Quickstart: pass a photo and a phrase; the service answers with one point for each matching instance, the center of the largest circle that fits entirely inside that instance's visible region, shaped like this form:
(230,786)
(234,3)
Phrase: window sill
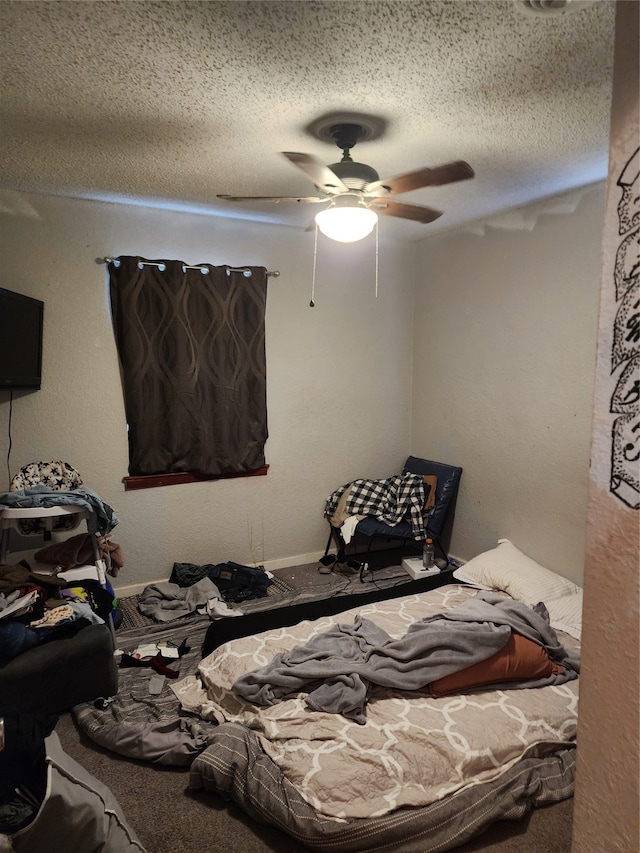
(153,481)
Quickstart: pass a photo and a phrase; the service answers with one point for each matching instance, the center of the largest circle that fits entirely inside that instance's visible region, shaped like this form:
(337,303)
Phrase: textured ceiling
(171,103)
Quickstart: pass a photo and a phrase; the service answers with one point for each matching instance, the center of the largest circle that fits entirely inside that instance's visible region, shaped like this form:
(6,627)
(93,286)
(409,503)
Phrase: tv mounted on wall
(20,340)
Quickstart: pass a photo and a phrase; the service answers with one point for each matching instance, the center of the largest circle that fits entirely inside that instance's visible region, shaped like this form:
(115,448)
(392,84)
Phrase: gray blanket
(165,601)
(338,668)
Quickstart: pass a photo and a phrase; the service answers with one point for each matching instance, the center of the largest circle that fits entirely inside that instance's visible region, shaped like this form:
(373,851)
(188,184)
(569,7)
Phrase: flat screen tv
(20,340)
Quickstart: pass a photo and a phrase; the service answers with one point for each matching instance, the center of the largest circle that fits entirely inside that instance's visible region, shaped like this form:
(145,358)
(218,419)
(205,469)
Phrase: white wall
(339,376)
(606,813)
(505,340)
(505,333)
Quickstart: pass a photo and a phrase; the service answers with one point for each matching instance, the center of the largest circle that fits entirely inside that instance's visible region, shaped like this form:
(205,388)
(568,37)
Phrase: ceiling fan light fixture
(346,220)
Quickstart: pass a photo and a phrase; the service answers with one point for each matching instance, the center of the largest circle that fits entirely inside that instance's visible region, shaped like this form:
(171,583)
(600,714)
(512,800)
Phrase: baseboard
(288,562)
(134,588)
(129,590)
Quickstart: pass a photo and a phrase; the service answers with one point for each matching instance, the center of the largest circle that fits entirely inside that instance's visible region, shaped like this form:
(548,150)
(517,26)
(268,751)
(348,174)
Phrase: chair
(446,488)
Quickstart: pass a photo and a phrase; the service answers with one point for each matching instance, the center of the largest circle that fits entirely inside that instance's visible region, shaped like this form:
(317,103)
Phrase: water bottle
(427,555)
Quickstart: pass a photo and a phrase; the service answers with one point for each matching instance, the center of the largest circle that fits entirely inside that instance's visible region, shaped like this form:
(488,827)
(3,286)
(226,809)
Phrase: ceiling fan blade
(322,176)
(274,198)
(449,173)
(405,211)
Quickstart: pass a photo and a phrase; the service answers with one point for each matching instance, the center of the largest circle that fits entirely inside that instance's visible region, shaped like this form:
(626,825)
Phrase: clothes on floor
(165,602)
(234,581)
(22,768)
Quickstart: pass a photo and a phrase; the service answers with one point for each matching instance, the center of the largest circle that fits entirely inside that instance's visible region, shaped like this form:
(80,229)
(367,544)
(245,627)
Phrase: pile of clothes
(235,581)
(204,589)
(37,607)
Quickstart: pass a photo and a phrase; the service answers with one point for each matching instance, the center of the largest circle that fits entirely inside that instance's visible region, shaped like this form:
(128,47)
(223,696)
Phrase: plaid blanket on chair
(391,501)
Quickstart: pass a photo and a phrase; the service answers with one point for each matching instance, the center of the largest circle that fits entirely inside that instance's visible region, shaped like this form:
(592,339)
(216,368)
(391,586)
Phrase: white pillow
(565,614)
(507,569)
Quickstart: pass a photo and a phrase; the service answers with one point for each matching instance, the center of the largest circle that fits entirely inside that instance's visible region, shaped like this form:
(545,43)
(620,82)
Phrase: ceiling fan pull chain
(312,304)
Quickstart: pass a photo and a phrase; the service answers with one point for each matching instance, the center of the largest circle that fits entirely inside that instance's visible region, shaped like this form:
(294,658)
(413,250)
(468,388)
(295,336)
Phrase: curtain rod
(204,269)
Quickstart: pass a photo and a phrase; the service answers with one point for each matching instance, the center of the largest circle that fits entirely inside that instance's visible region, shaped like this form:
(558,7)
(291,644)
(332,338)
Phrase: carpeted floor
(169,818)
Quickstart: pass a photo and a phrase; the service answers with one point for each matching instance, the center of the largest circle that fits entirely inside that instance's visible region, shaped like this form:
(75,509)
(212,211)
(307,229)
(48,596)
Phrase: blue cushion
(370,526)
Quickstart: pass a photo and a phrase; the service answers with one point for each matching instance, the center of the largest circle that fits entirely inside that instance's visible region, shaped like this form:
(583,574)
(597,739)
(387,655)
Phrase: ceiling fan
(355,192)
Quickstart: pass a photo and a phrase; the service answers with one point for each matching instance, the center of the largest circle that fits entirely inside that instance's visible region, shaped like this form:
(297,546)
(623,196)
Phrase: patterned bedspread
(414,751)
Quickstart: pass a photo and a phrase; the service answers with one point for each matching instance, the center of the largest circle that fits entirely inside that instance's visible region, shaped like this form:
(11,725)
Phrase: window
(191,344)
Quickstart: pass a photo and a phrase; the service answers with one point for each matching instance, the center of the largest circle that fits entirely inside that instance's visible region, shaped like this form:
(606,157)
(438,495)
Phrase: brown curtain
(192,357)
